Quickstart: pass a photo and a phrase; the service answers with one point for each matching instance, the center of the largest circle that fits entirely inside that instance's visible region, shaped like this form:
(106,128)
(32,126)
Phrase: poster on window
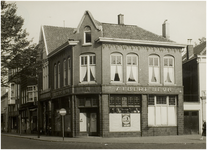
(126,120)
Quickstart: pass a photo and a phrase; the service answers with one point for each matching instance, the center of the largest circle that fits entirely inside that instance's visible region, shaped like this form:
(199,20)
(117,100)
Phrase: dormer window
(87,35)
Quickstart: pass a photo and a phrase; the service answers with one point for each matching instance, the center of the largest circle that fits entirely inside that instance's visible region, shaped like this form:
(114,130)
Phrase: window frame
(87,31)
(131,55)
(153,56)
(168,57)
(87,63)
(116,64)
(55,76)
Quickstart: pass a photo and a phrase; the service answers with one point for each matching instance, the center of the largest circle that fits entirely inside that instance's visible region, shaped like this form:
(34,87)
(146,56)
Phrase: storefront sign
(126,120)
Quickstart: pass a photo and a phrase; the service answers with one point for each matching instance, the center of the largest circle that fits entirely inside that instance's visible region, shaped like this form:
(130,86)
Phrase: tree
(201,40)
(17,52)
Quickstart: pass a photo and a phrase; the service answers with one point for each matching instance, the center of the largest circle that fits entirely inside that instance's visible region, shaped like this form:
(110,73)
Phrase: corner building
(113,79)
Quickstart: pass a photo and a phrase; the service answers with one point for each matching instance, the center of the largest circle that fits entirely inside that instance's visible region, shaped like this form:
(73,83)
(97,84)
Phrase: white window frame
(87,30)
(152,68)
(129,68)
(170,76)
(155,115)
(88,66)
(115,66)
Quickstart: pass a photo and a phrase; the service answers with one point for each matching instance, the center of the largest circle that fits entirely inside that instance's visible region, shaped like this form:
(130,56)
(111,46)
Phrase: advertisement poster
(126,120)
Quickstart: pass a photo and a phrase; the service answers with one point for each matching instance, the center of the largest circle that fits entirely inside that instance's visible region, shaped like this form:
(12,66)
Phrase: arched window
(69,72)
(87,68)
(64,74)
(132,68)
(58,75)
(169,73)
(154,69)
(55,76)
(116,67)
(87,34)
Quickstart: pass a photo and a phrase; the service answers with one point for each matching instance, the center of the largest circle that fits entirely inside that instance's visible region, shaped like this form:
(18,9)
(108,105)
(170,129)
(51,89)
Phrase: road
(8,142)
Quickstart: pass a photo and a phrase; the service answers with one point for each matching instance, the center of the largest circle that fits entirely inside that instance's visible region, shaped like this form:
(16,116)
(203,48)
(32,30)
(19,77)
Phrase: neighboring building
(194,81)
(4,111)
(113,80)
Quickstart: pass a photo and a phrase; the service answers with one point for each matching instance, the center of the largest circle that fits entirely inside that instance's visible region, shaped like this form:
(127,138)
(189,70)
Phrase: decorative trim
(142,42)
(45,42)
(137,47)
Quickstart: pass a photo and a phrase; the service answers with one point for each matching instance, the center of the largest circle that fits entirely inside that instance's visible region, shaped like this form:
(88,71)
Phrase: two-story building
(112,79)
(194,81)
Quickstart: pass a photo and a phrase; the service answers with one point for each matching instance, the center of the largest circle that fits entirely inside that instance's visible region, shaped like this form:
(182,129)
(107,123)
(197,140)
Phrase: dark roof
(199,49)
(56,36)
(130,32)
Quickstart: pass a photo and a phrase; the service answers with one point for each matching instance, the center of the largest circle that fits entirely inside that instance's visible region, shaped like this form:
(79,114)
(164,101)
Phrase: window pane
(137,100)
(134,62)
(85,60)
(130,101)
(161,100)
(118,59)
(118,101)
(165,62)
(88,37)
(151,100)
(172,100)
(129,60)
(82,61)
(170,62)
(91,59)
(155,61)
(151,61)
(113,59)
(112,101)
(94,59)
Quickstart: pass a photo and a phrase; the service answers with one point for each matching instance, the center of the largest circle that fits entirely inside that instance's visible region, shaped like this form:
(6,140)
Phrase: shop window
(169,70)
(88,101)
(162,111)
(87,68)
(154,69)
(124,104)
(87,35)
(116,67)
(132,68)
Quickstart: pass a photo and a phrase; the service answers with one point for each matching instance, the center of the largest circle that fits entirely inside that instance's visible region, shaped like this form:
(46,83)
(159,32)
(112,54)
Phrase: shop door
(191,122)
(92,123)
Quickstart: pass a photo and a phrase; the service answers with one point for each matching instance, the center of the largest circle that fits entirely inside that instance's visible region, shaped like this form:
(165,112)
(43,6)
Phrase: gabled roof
(200,49)
(55,36)
(197,50)
(130,32)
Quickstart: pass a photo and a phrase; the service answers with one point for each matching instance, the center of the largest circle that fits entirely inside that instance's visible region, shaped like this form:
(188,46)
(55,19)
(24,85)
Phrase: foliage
(17,52)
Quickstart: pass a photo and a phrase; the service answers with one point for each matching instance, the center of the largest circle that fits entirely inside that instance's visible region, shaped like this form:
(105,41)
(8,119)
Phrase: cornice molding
(140,42)
(138,47)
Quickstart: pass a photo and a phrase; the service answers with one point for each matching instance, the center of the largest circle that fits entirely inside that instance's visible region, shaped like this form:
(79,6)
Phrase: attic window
(87,35)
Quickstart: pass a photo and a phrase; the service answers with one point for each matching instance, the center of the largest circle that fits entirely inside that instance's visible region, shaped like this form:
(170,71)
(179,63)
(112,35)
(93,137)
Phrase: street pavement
(190,139)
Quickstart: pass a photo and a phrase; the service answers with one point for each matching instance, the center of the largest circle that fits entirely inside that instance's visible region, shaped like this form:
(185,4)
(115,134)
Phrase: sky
(187,19)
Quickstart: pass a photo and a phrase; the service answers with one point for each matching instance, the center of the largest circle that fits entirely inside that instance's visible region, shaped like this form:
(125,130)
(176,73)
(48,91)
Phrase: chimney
(189,51)
(166,30)
(121,19)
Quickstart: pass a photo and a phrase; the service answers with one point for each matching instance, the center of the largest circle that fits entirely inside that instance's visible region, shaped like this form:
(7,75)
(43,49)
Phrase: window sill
(116,83)
(164,126)
(155,84)
(85,83)
(169,84)
(87,44)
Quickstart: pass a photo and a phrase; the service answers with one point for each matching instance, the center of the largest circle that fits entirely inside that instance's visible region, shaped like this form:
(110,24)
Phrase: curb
(101,142)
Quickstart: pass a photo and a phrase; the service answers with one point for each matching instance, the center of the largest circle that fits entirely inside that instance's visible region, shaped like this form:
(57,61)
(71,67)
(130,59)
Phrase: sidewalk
(92,139)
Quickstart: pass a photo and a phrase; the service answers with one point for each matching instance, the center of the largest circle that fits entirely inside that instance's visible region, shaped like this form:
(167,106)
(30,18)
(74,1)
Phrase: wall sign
(126,120)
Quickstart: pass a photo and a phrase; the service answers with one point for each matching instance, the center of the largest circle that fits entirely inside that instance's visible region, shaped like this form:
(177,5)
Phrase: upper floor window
(64,73)
(55,76)
(87,68)
(58,75)
(169,69)
(116,67)
(132,68)
(154,69)
(69,71)
(45,76)
(87,34)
